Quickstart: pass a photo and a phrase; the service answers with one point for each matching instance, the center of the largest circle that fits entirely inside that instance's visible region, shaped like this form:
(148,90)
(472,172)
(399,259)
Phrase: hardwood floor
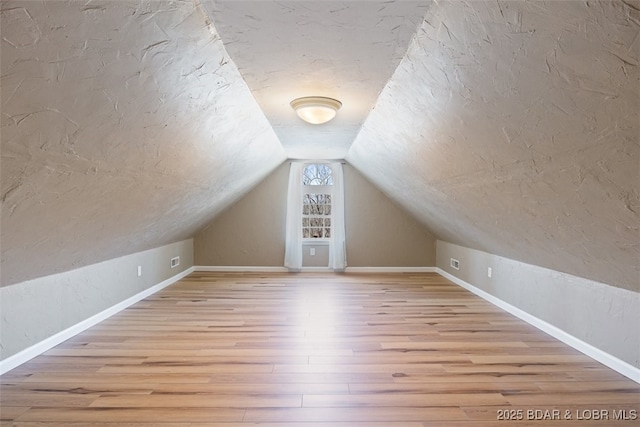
(310,350)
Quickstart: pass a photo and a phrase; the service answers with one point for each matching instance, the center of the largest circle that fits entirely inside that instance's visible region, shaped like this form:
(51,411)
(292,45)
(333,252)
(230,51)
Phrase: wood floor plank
(330,368)
(40,399)
(422,400)
(621,386)
(102,378)
(66,415)
(302,378)
(210,368)
(352,414)
(445,388)
(593,398)
(8,413)
(199,400)
(215,388)
(311,350)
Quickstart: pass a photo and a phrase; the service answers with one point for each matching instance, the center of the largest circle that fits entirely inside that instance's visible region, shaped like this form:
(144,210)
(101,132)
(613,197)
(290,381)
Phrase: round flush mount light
(316,109)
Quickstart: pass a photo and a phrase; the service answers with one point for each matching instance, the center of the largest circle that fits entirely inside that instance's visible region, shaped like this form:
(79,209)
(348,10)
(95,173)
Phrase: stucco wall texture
(513,128)
(125,127)
(508,127)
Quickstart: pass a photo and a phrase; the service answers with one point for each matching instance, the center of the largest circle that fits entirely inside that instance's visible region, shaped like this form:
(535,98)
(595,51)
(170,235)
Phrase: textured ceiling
(289,49)
(125,126)
(508,126)
(513,127)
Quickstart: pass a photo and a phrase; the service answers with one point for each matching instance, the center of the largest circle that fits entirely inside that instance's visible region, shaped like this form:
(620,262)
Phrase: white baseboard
(595,353)
(390,269)
(27,354)
(271,269)
(606,359)
(240,269)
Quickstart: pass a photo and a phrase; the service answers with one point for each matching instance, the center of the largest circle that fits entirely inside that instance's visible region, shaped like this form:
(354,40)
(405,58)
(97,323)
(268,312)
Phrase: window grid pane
(316,211)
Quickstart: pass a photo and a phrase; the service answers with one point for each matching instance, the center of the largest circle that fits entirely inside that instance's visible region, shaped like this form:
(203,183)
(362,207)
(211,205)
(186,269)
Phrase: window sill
(316,242)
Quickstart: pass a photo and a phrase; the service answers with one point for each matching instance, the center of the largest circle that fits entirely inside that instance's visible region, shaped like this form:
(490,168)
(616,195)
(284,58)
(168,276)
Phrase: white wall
(603,316)
(37,309)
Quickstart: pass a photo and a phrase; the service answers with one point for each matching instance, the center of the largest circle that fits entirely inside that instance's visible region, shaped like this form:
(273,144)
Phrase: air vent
(455,264)
(175,262)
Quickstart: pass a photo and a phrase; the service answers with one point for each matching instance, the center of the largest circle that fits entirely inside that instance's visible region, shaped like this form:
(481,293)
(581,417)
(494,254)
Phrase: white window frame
(294,225)
(317,189)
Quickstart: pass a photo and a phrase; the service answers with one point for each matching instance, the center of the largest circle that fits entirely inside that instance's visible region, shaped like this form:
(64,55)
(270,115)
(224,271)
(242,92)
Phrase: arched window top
(317,174)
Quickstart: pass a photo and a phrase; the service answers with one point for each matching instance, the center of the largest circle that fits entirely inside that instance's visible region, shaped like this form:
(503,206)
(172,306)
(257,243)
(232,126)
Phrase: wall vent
(455,264)
(175,262)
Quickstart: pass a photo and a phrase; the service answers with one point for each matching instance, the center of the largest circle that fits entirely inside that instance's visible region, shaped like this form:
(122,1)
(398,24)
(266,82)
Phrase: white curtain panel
(293,240)
(337,251)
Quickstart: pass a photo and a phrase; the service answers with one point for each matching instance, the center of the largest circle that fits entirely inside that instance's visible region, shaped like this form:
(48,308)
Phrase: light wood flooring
(311,350)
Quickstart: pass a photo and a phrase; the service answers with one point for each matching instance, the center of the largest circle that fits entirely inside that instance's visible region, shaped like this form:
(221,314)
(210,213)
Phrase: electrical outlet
(489,271)
(312,251)
(455,264)
(139,270)
(175,262)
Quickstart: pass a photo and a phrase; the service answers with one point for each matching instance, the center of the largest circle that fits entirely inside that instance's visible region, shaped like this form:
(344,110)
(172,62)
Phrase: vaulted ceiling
(288,49)
(510,127)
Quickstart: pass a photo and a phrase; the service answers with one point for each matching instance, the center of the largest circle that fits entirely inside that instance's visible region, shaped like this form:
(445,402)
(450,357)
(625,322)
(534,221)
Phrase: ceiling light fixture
(316,109)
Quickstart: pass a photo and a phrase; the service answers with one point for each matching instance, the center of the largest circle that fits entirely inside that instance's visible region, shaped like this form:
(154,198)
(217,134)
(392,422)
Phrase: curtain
(293,239)
(337,249)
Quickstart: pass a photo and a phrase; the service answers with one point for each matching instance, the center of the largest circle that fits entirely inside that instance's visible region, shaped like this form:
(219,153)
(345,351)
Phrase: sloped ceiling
(341,49)
(513,128)
(125,126)
(510,127)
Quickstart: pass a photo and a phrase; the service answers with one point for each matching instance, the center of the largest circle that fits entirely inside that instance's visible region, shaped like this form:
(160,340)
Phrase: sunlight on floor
(317,317)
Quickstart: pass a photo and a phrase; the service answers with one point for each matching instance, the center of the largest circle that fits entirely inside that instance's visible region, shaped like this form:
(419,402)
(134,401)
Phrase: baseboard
(27,354)
(240,269)
(390,269)
(271,269)
(595,353)
(601,356)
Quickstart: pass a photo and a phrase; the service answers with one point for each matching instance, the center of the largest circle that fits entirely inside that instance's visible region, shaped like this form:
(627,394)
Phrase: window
(317,182)
(317,174)
(315,212)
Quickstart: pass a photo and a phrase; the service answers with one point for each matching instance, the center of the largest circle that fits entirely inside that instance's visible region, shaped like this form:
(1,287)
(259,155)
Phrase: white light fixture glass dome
(316,109)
